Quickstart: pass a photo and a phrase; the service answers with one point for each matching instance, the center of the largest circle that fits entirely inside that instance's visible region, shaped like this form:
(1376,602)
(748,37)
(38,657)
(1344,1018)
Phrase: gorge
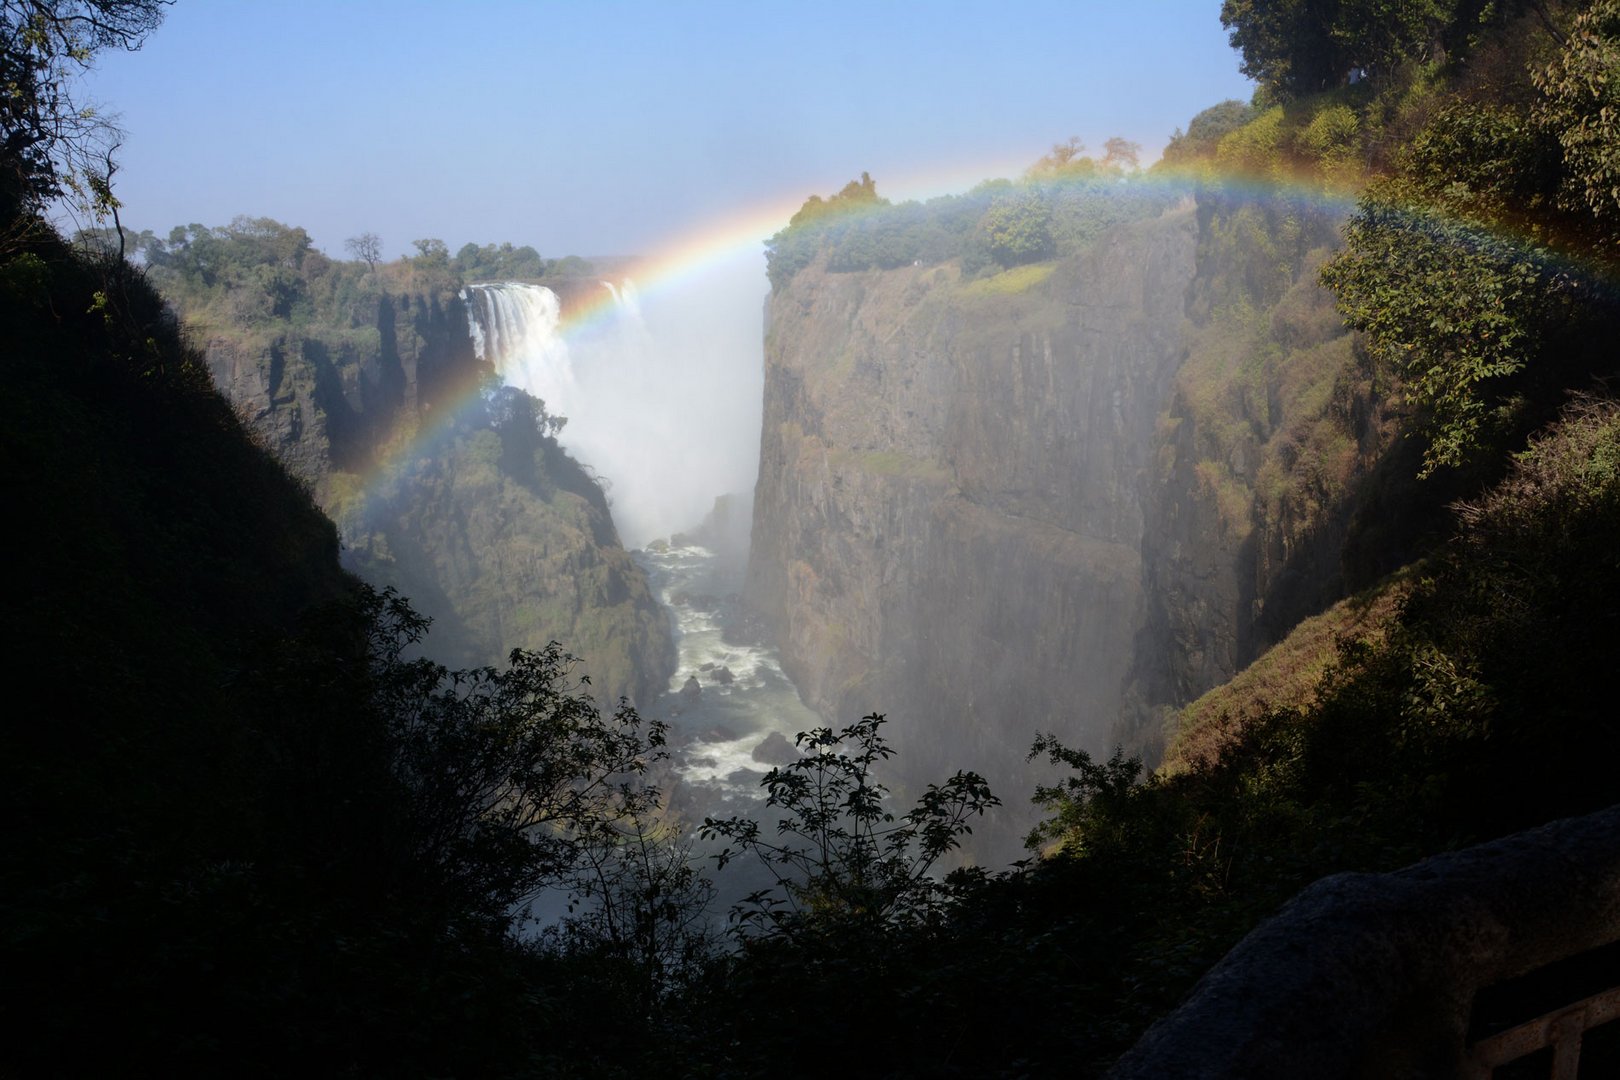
(1268,492)
(1065,497)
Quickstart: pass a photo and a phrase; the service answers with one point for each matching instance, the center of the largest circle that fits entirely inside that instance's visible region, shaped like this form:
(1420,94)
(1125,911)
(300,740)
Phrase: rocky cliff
(512,549)
(324,402)
(949,520)
(1069,497)
(491,530)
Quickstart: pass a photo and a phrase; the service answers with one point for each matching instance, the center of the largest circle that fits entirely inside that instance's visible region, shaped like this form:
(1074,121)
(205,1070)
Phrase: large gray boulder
(1373,975)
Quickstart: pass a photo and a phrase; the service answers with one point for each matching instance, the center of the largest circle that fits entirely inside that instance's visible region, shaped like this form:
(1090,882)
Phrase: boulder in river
(690,690)
(775,750)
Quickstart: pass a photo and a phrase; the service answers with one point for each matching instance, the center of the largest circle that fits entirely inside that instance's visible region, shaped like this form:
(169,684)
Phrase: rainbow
(688,255)
(682,258)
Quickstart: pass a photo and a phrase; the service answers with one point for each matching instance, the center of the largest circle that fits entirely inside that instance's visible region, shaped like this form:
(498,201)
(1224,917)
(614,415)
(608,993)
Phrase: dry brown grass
(1287,676)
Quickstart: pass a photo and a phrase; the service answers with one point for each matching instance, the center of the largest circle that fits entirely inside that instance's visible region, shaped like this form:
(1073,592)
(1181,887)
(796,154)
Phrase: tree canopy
(1477,269)
(51,143)
(1299,47)
(1065,200)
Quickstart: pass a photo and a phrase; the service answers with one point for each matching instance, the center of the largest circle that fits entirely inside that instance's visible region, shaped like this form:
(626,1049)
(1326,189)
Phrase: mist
(661,393)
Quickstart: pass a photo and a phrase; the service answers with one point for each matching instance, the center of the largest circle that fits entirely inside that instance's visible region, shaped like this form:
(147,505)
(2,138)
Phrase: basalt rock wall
(948,526)
(493,532)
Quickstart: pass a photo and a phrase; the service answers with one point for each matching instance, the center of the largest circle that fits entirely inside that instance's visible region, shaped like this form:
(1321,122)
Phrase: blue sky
(605,128)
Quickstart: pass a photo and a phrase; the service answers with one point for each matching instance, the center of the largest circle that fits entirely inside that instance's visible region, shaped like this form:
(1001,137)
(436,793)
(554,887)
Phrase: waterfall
(626,299)
(595,374)
(516,328)
(664,408)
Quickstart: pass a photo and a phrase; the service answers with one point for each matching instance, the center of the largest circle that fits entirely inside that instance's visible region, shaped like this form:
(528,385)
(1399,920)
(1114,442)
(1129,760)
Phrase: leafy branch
(839,855)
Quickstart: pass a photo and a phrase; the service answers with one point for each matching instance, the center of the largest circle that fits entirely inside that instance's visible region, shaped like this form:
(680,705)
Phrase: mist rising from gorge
(661,393)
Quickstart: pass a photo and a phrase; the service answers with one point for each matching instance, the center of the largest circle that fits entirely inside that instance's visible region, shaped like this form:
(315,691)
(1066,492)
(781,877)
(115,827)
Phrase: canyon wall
(1068,497)
(949,520)
(486,524)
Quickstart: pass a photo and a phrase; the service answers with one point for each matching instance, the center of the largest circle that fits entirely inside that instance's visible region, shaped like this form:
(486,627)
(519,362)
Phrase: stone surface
(949,515)
(775,750)
(499,556)
(1373,975)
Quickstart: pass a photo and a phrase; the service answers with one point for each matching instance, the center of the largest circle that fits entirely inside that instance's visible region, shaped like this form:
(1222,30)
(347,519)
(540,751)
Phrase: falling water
(629,399)
(515,327)
(635,414)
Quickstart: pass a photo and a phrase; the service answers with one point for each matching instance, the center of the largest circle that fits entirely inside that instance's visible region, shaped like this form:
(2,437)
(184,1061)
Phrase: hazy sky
(608,128)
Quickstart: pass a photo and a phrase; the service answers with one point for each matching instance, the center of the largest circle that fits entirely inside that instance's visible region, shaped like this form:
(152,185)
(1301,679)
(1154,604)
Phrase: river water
(731,711)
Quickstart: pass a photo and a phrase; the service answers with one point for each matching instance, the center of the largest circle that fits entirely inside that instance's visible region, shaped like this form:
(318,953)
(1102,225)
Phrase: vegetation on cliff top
(1063,203)
(257,275)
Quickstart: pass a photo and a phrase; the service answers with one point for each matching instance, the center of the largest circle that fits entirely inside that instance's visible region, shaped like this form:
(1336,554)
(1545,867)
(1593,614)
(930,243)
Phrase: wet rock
(723,676)
(718,733)
(706,667)
(744,776)
(690,690)
(775,750)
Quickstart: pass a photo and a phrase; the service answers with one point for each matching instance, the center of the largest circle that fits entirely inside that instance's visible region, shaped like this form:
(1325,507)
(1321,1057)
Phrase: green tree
(1299,47)
(431,253)
(51,143)
(1459,271)
(509,776)
(1453,308)
(1018,229)
(1287,45)
(792,249)
(639,912)
(1204,131)
(1581,106)
(840,856)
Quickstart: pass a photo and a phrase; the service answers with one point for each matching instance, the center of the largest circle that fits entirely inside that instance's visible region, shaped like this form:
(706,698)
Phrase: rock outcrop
(497,535)
(1074,496)
(1373,975)
(949,519)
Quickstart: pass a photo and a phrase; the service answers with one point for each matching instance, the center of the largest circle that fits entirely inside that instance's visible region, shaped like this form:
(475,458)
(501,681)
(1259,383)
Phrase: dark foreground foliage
(246,831)
(1486,709)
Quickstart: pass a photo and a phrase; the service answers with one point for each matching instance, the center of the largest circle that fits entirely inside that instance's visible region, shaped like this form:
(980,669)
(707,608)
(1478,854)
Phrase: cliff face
(1275,462)
(324,403)
(490,529)
(509,549)
(949,519)
(1071,497)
